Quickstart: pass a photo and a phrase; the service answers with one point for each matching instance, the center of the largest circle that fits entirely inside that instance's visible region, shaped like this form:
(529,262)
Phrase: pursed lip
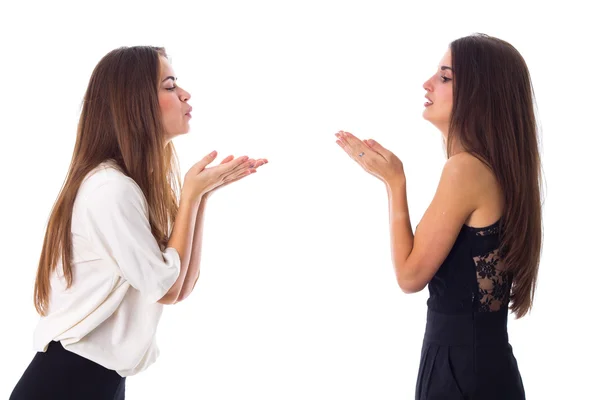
(189,112)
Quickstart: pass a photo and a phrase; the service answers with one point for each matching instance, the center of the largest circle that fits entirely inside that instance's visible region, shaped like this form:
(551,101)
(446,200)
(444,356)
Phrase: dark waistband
(485,328)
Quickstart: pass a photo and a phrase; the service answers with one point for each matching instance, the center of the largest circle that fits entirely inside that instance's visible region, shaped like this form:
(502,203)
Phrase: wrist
(203,199)
(189,201)
(396,184)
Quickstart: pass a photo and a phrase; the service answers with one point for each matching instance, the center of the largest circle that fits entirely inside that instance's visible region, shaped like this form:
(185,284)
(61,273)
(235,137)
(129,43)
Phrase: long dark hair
(493,118)
(121,121)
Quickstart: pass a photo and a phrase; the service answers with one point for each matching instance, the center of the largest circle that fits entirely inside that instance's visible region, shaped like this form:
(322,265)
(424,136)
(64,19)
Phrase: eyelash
(172,88)
(445,79)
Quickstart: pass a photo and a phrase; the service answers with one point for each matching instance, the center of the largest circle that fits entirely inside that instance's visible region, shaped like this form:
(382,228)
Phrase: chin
(173,136)
(427,117)
(182,130)
(186,128)
(427,114)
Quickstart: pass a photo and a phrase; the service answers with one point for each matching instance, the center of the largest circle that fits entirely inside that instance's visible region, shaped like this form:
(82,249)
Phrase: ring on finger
(361,154)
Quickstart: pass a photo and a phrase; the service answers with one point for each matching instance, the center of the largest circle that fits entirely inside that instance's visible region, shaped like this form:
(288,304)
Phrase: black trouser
(468,357)
(62,375)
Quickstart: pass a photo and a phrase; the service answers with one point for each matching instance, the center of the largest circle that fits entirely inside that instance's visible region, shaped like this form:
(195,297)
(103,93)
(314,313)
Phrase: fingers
(260,162)
(227,159)
(238,168)
(200,165)
(251,165)
(375,146)
(229,170)
(228,166)
(352,143)
(244,170)
(237,175)
(354,147)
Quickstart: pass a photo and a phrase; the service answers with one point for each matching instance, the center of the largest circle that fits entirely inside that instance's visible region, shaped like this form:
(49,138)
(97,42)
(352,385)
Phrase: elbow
(408,279)
(186,290)
(171,297)
(168,300)
(410,288)
(410,285)
(176,293)
(182,296)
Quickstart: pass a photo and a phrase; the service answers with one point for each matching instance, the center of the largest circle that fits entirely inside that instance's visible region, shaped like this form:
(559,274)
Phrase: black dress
(466,353)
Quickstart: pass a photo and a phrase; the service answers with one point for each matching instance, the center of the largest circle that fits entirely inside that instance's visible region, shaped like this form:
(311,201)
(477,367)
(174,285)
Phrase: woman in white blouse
(122,239)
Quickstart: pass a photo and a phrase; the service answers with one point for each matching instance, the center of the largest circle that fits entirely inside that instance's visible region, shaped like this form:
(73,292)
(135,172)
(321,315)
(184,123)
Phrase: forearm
(401,235)
(182,240)
(194,265)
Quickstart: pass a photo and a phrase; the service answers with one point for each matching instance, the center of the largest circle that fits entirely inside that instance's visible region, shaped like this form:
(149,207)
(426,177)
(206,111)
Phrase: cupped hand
(201,179)
(372,157)
(254,165)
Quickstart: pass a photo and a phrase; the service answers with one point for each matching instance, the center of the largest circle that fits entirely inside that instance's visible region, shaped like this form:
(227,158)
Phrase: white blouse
(110,313)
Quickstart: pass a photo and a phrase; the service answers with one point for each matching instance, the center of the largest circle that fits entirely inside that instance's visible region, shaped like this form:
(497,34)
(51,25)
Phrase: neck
(456,147)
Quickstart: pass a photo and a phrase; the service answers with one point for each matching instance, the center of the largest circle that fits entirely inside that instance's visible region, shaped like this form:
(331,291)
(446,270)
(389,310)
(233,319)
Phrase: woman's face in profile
(439,95)
(173,101)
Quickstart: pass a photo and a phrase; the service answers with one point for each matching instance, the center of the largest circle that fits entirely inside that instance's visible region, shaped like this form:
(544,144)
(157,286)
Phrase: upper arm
(117,220)
(455,199)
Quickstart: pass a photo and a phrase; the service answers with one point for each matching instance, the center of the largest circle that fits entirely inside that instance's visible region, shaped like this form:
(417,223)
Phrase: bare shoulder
(467,169)
(467,163)
(478,179)
(462,172)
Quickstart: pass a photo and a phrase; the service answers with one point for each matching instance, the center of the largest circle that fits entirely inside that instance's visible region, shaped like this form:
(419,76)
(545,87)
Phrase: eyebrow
(445,67)
(170,77)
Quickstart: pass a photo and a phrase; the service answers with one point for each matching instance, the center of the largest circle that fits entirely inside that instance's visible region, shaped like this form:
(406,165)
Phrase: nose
(184,95)
(427,85)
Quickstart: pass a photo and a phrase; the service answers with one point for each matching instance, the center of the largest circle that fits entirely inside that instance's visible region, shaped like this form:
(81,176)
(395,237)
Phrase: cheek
(167,105)
(448,97)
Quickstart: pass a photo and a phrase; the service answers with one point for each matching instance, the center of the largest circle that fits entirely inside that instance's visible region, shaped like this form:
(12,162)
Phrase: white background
(297,297)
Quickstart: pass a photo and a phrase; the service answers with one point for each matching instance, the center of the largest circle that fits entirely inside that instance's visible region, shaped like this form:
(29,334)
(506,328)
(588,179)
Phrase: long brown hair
(120,121)
(493,118)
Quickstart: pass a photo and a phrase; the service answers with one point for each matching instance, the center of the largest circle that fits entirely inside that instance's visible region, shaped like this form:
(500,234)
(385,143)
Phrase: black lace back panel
(473,276)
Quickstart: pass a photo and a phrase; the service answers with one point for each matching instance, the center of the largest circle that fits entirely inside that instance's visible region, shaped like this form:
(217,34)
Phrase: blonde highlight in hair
(120,121)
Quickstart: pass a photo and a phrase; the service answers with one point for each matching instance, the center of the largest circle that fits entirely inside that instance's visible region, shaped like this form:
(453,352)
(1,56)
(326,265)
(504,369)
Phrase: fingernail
(371,142)
(245,158)
(214,153)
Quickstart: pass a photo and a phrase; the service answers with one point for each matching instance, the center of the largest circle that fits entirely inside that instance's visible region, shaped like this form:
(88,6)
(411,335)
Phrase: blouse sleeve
(116,215)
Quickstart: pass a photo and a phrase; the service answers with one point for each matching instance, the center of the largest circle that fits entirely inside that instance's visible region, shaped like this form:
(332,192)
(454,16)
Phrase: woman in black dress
(478,244)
